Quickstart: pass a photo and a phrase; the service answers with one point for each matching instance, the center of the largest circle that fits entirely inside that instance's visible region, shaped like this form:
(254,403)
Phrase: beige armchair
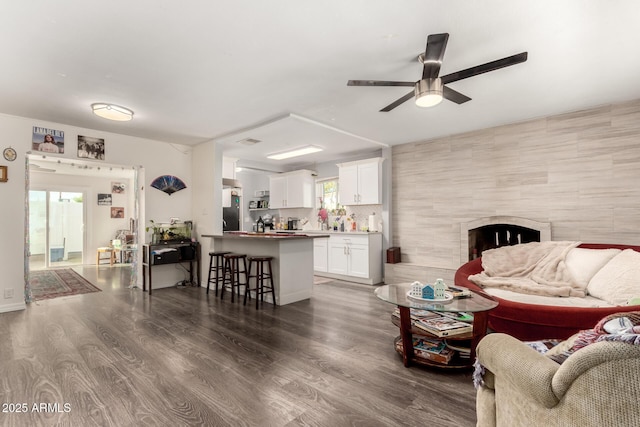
(598,385)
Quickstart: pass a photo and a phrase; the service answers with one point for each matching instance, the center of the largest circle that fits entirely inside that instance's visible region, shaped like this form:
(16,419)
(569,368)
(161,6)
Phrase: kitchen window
(328,194)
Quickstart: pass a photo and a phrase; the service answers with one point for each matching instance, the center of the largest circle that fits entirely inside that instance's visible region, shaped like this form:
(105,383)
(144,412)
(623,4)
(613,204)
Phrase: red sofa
(534,322)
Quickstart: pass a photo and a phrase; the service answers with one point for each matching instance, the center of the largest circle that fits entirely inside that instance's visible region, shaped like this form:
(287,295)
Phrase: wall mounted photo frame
(3,174)
(47,140)
(90,148)
(118,187)
(117,212)
(104,199)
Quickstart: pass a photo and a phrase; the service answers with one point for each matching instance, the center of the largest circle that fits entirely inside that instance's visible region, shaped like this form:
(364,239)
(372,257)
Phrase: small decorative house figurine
(428,292)
(439,289)
(416,289)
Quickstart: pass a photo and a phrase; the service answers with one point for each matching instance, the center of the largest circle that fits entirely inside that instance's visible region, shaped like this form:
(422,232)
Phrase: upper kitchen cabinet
(292,190)
(360,182)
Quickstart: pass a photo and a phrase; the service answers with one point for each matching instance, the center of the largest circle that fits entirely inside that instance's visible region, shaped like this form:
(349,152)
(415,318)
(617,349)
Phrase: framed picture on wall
(118,187)
(90,148)
(47,140)
(104,199)
(117,212)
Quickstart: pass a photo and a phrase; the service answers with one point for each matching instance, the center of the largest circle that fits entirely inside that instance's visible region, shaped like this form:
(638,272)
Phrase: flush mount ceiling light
(112,112)
(295,152)
(428,92)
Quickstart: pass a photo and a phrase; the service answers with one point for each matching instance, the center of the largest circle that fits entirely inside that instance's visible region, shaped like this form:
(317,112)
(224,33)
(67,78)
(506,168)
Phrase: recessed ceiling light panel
(301,151)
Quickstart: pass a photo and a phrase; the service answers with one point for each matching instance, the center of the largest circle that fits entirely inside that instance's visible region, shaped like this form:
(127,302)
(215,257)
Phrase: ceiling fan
(430,89)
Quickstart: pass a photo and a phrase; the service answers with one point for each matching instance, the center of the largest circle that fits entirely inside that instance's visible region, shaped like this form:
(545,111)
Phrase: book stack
(463,349)
(429,348)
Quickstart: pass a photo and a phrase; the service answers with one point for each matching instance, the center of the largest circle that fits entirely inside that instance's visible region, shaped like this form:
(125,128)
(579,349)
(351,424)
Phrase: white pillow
(584,263)
(619,280)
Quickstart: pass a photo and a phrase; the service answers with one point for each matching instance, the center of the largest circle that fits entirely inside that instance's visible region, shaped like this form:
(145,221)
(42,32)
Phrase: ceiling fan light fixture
(428,92)
(301,151)
(112,112)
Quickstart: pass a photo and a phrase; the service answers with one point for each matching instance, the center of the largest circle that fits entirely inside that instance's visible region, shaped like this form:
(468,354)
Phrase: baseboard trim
(347,278)
(13,307)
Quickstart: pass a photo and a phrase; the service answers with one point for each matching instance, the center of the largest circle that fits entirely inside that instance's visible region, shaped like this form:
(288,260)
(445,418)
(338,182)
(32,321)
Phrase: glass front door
(56,228)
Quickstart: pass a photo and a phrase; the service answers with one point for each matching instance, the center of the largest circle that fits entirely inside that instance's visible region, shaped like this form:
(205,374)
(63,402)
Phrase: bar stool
(216,268)
(261,276)
(231,273)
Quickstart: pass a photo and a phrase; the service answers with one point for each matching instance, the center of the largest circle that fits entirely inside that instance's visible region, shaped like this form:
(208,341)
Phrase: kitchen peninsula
(292,259)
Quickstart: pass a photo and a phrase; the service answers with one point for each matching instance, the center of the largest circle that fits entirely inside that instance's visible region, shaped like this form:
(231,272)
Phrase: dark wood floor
(121,358)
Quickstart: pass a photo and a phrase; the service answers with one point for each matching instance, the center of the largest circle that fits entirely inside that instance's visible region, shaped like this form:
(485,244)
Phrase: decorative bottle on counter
(260,225)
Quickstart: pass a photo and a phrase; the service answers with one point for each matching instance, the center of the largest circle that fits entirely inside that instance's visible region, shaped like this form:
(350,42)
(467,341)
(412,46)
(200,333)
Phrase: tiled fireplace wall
(579,171)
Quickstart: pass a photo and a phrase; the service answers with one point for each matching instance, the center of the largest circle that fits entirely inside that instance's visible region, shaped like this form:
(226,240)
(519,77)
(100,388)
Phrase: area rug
(47,284)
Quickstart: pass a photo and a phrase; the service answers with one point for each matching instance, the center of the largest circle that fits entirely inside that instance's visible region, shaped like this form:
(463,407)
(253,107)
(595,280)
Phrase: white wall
(155,157)
(207,198)
(579,171)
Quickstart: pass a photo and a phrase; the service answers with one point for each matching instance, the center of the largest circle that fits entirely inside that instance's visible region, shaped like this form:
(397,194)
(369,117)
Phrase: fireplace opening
(497,235)
(494,231)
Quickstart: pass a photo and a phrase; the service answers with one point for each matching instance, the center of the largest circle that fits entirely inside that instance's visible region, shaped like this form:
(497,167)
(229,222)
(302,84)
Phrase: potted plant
(157,231)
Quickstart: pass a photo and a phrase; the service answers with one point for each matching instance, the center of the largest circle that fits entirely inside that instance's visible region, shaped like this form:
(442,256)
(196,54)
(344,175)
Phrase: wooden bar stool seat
(263,279)
(106,250)
(231,273)
(216,266)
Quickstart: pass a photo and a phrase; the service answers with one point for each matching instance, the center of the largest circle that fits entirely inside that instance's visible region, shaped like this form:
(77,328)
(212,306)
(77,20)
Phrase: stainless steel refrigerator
(231,215)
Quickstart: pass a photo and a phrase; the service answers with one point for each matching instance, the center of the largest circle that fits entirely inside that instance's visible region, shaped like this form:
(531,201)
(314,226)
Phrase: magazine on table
(461,316)
(417,314)
(433,345)
(444,326)
(459,292)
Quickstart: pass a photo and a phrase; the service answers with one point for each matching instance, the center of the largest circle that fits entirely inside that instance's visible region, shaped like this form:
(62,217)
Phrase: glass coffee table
(477,304)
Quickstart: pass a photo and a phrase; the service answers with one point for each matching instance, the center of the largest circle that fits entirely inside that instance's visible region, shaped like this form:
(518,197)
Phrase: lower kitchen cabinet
(320,255)
(352,257)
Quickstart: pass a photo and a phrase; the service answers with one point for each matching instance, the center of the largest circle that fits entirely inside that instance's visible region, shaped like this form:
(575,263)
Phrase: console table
(184,252)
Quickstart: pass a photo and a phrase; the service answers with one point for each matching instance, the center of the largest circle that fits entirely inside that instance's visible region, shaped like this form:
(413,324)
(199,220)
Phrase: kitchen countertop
(337,232)
(266,235)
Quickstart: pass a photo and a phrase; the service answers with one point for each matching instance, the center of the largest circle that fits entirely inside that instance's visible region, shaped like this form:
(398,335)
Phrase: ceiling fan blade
(378,83)
(433,54)
(454,96)
(397,102)
(484,68)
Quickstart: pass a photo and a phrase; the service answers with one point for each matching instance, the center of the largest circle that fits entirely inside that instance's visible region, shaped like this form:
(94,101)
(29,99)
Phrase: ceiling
(277,71)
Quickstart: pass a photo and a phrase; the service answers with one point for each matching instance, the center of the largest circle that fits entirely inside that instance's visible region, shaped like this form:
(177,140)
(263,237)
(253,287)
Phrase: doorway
(75,207)
(56,228)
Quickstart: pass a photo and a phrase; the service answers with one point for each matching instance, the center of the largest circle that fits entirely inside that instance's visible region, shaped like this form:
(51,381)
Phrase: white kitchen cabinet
(359,260)
(349,255)
(277,191)
(292,190)
(226,197)
(353,257)
(321,254)
(338,261)
(360,182)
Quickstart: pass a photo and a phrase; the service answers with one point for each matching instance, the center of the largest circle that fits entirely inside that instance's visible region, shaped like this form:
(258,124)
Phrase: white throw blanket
(536,268)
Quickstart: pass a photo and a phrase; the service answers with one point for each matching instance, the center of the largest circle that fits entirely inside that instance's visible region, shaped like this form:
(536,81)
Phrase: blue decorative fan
(168,183)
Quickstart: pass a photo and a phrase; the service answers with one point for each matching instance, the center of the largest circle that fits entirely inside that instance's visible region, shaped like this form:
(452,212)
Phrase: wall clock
(9,154)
